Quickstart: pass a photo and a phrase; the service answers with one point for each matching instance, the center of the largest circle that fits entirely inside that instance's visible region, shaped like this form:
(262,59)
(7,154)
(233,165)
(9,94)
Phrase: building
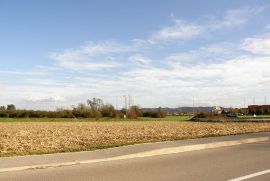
(217,110)
(259,109)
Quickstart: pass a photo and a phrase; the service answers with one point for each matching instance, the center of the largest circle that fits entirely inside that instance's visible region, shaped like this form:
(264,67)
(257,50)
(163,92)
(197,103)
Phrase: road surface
(225,163)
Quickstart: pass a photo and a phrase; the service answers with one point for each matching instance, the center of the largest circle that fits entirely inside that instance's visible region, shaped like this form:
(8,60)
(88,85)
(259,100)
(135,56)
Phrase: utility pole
(125,98)
(265,100)
(125,115)
(129,101)
(244,105)
(116,102)
(193,107)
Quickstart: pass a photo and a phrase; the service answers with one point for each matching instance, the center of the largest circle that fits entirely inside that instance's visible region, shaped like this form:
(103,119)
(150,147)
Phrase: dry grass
(47,137)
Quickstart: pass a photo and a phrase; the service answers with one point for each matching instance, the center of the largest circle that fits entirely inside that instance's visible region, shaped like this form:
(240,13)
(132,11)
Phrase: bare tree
(96,106)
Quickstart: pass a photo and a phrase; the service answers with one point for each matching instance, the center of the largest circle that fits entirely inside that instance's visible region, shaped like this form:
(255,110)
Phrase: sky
(58,53)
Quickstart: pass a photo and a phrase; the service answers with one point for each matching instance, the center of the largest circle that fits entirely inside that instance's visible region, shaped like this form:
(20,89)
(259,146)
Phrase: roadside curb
(157,152)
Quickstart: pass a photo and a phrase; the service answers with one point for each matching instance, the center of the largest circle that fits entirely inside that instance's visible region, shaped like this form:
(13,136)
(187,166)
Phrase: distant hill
(182,109)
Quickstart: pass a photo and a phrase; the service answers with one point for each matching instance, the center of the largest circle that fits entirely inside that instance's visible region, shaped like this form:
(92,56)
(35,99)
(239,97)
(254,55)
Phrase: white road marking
(251,175)
(158,152)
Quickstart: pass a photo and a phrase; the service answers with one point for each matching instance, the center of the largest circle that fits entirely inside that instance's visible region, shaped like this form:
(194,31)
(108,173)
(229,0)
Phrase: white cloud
(93,55)
(140,60)
(233,78)
(105,47)
(181,30)
(222,83)
(223,48)
(47,100)
(260,45)
(100,55)
(204,55)
(182,58)
(86,65)
(29,73)
(234,18)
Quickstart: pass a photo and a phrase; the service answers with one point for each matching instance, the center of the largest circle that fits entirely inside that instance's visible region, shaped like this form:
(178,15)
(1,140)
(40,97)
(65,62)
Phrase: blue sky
(162,53)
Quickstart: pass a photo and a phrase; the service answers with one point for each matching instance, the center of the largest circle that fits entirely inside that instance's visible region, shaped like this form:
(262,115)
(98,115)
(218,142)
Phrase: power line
(193,106)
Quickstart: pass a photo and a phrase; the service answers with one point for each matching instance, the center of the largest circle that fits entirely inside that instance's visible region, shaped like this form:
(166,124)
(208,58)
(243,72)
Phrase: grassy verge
(23,138)
(168,118)
(257,116)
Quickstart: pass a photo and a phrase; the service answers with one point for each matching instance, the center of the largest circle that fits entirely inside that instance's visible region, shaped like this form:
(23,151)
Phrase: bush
(158,113)
(108,111)
(3,114)
(95,108)
(134,112)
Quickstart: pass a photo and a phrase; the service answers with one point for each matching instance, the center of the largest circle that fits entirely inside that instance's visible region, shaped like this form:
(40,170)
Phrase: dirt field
(47,137)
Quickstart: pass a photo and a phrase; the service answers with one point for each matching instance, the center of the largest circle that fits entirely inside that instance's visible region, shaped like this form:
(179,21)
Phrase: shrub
(158,113)
(134,112)
(108,111)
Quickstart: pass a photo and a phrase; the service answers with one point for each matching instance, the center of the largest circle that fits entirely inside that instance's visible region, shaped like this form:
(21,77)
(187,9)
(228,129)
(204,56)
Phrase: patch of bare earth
(46,137)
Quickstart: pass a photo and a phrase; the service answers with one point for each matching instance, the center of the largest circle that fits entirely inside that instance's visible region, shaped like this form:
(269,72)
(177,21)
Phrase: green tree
(161,113)
(2,108)
(108,111)
(11,107)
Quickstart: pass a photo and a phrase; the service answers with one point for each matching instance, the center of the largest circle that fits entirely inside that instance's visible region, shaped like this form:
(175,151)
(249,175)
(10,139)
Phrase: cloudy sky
(57,53)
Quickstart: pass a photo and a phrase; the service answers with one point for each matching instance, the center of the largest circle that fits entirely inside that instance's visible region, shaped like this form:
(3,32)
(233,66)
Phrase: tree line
(93,108)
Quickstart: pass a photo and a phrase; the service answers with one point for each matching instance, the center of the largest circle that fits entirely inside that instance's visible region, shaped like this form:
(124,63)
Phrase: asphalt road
(212,164)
